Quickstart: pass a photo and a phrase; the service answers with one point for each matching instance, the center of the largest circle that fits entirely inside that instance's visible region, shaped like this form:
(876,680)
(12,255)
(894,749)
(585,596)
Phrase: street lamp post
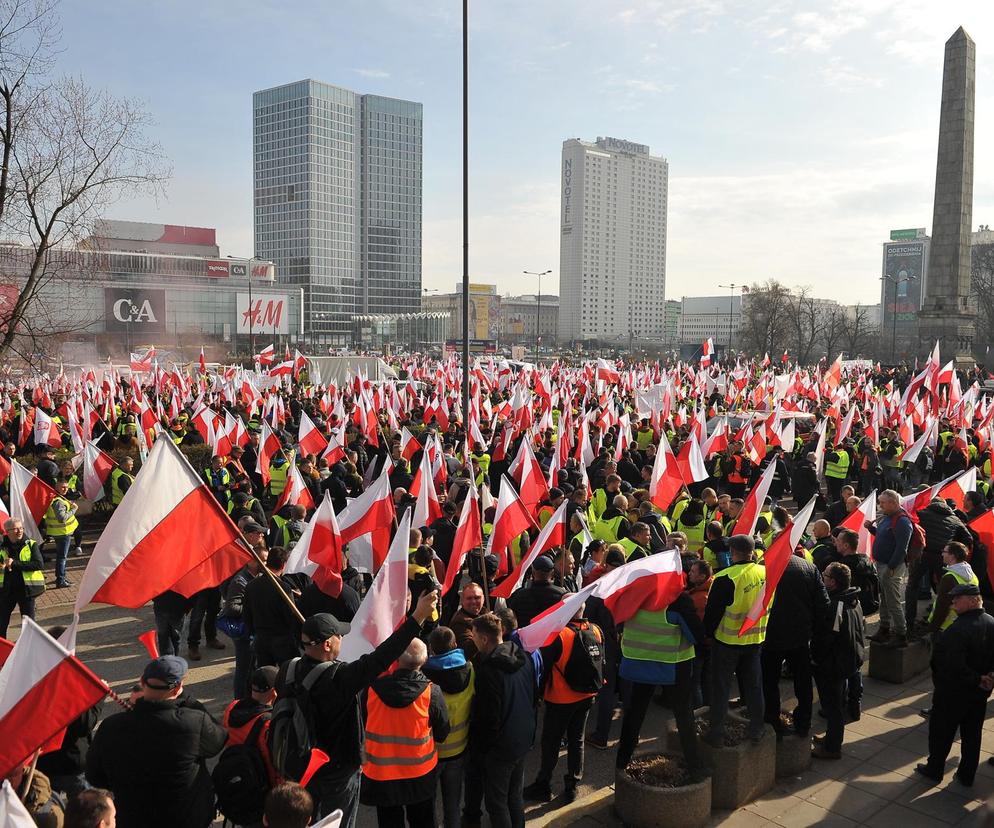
(538,310)
(731,303)
(893,337)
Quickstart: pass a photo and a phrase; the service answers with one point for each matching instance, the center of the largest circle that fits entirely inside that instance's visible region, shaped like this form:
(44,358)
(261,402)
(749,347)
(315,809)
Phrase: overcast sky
(798,133)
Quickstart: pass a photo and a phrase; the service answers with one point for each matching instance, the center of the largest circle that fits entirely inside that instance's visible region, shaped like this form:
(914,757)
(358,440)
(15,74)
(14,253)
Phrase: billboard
(267,313)
(217,268)
(911,234)
(484,312)
(138,310)
(902,290)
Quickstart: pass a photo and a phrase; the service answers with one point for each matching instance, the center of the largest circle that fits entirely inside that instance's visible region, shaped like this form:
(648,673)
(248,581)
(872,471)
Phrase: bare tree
(765,325)
(859,335)
(982,275)
(69,151)
(833,330)
(806,325)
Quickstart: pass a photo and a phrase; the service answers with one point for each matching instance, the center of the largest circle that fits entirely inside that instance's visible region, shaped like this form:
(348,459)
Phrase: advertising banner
(268,313)
(137,309)
(904,265)
(216,268)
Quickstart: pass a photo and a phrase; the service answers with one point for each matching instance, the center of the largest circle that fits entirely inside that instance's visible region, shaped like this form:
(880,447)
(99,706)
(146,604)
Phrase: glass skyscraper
(338,201)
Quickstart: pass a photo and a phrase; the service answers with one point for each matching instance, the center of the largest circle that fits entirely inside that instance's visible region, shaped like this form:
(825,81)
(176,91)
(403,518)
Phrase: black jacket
(533,599)
(864,579)
(941,526)
(70,758)
(836,513)
(335,698)
(962,653)
(400,689)
(798,606)
(445,536)
(822,552)
(502,718)
(154,760)
(344,607)
(804,482)
(264,610)
(839,644)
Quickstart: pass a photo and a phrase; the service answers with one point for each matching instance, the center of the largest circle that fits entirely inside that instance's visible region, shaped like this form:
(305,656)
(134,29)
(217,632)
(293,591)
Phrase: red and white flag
(43,687)
(855,520)
(607,372)
(511,519)
(13,814)
(30,497)
(383,608)
(983,525)
(97,466)
(956,490)
(409,445)
(335,451)
(46,432)
(265,356)
(169,532)
(775,560)
(269,444)
(469,536)
(318,551)
(203,362)
(707,353)
(666,480)
(310,440)
(690,461)
(371,513)
(427,508)
(746,523)
(553,534)
(295,493)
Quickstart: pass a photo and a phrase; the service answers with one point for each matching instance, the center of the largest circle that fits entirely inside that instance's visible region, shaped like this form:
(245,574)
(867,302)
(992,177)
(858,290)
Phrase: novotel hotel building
(134,284)
(612,253)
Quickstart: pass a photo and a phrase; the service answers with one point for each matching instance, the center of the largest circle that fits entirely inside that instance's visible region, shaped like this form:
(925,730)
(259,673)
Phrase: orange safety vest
(559,691)
(736,476)
(239,736)
(399,742)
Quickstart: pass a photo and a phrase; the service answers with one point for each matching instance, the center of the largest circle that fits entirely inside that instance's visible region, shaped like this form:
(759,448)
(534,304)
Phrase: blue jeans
(503,791)
(336,789)
(167,629)
(450,774)
(63,543)
(243,665)
(613,687)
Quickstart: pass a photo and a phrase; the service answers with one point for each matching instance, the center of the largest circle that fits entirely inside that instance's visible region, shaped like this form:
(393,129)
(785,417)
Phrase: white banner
(269,313)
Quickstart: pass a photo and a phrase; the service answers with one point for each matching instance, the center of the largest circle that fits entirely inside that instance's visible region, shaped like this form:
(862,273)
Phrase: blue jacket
(502,718)
(890,545)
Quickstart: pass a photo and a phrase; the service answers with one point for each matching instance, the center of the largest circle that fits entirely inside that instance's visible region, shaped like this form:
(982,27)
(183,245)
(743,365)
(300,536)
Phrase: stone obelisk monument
(948,313)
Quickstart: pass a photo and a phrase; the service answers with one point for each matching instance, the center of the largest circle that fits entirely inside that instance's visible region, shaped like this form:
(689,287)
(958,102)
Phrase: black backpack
(584,669)
(291,730)
(240,779)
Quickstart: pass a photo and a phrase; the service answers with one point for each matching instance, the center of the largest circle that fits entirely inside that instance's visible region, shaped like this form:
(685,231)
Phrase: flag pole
(486,581)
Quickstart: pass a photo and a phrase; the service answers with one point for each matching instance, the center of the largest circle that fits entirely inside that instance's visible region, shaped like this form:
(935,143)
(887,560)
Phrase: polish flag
(846,427)
(707,352)
(511,519)
(427,508)
(269,444)
(45,430)
(265,356)
(912,503)
(983,525)
(43,687)
(409,445)
(690,461)
(911,453)
(649,583)
(142,362)
(775,560)
(607,372)
(296,492)
(97,466)
(4,469)
(168,507)
(203,362)
(371,513)
(553,534)
(855,520)
(666,480)
(310,440)
(532,488)
(746,523)
(833,376)
(30,498)
(318,551)
(13,814)
(469,536)
(384,607)
(957,489)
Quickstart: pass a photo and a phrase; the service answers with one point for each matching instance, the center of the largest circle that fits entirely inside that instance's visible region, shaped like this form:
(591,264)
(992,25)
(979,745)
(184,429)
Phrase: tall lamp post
(893,313)
(465,217)
(731,304)
(538,310)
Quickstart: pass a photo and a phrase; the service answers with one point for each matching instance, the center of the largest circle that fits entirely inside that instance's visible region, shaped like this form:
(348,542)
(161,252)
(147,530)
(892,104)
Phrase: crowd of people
(449,706)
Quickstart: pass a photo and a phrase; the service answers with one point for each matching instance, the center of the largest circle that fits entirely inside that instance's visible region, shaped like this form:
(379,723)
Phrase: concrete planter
(743,772)
(671,741)
(898,664)
(648,806)
(793,755)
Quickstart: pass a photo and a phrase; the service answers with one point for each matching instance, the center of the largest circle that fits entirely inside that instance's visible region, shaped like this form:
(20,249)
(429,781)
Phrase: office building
(671,327)
(520,322)
(612,280)
(484,314)
(338,201)
(717,317)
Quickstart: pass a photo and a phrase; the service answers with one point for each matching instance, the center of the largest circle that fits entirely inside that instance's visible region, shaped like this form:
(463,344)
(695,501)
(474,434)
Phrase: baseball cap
(165,671)
(322,626)
(543,563)
(964,589)
(263,679)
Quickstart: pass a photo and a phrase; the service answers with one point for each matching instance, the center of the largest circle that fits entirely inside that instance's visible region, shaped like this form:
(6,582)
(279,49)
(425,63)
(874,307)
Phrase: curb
(588,805)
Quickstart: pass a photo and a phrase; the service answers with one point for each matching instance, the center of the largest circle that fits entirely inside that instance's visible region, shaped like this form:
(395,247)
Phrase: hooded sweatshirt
(398,690)
(503,715)
(839,645)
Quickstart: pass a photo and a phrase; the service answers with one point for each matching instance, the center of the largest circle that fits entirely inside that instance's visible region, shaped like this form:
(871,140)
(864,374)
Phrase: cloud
(372,73)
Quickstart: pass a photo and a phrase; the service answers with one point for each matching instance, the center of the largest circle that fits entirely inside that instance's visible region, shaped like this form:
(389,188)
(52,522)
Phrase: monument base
(954,331)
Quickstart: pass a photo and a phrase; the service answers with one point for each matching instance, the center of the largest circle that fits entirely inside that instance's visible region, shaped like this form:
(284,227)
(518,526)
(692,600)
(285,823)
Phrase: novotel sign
(567,192)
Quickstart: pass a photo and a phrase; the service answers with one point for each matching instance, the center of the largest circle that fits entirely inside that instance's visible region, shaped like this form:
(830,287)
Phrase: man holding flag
(733,593)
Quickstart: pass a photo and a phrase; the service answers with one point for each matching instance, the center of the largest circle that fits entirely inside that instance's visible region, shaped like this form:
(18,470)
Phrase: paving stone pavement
(874,784)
